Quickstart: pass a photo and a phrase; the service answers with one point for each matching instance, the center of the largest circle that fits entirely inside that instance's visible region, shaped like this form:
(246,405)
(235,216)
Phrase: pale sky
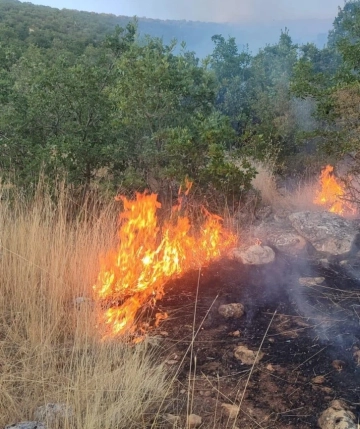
(207,10)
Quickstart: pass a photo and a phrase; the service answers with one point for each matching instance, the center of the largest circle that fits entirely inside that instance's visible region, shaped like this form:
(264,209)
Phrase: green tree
(270,126)
(231,69)
(166,112)
(59,113)
(331,77)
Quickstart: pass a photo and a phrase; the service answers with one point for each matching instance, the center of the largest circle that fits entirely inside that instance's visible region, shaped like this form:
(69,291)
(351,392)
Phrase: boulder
(327,232)
(281,235)
(27,425)
(337,416)
(255,255)
(288,242)
(234,310)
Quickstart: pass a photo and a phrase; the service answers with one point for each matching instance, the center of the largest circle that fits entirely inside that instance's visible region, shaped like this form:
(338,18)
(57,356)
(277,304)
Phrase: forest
(110,111)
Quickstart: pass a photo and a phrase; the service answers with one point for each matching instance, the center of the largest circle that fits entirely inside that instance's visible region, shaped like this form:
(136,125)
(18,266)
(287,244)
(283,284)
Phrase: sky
(207,10)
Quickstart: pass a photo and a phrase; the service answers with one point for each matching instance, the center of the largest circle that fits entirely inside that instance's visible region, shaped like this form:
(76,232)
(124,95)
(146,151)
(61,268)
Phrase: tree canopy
(92,102)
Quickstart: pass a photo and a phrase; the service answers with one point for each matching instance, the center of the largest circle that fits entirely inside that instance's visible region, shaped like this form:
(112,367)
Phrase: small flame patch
(133,275)
(332,194)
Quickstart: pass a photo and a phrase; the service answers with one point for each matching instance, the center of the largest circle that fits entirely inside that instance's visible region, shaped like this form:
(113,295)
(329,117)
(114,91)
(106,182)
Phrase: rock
(82,301)
(255,255)
(171,362)
(53,412)
(172,419)
(246,356)
(327,232)
(281,214)
(311,281)
(27,425)
(206,393)
(288,242)
(319,379)
(264,212)
(337,416)
(193,421)
(325,263)
(235,310)
(281,235)
(231,410)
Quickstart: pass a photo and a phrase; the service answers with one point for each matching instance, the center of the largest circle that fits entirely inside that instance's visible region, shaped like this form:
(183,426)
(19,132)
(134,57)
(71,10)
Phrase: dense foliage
(95,103)
(330,77)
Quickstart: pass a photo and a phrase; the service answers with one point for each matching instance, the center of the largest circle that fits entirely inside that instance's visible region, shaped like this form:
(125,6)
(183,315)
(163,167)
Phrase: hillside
(84,97)
(41,24)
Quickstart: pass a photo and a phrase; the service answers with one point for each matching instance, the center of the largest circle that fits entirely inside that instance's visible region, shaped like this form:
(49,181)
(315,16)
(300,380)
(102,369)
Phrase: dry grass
(299,199)
(265,182)
(49,348)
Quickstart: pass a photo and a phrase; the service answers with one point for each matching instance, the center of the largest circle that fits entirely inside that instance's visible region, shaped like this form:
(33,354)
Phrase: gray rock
(255,255)
(327,232)
(281,235)
(82,302)
(325,263)
(27,425)
(288,242)
(53,412)
(337,416)
(235,310)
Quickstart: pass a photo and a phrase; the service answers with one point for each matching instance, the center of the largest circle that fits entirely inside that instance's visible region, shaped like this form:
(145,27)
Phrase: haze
(208,10)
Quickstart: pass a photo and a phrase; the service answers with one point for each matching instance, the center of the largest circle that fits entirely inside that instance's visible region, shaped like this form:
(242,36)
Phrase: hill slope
(41,25)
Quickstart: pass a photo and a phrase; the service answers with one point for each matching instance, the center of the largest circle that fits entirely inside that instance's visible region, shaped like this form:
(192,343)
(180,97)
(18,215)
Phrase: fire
(133,275)
(332,194)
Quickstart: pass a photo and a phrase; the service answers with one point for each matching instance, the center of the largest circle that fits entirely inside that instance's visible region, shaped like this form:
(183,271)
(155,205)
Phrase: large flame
(133,275)
(332,194)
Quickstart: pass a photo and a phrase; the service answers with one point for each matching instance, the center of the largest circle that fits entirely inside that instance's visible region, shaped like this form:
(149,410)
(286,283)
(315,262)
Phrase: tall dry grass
(295,198)
(49,347)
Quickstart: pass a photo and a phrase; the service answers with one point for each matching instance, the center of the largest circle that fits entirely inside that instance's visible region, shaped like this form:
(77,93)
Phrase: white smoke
(241,11)
(234,10)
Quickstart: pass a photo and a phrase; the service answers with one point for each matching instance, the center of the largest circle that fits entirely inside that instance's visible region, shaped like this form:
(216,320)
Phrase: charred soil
(309,334)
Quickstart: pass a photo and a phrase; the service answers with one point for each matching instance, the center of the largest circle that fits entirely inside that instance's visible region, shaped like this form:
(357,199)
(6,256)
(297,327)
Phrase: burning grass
(148,254)
(49,347)
(332,194)
(324,193)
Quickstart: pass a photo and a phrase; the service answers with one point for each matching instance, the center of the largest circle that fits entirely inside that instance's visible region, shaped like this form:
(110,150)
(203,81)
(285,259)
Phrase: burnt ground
(304,331)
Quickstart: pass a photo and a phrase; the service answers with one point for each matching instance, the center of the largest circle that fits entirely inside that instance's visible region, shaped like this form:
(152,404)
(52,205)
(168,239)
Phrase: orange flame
(332,194)
(133,275)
